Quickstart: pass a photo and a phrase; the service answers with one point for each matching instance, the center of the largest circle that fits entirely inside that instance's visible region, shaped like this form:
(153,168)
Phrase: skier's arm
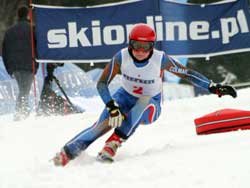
(108,74)
(196,78)
(192,76)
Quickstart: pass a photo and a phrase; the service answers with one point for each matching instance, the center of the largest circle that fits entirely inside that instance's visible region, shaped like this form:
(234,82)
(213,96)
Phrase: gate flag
(95,34)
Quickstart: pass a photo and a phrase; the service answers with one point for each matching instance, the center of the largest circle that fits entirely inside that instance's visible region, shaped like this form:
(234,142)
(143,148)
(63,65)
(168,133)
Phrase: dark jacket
(17,50)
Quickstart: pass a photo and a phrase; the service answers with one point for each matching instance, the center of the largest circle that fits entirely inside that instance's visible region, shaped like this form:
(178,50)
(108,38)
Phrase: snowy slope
(165,154)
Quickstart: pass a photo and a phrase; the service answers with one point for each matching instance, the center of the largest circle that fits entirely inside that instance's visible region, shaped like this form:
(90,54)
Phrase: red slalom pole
(33,50)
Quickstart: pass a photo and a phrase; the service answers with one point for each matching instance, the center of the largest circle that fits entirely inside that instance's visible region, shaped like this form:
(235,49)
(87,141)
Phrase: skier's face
(141,49)
(140,54)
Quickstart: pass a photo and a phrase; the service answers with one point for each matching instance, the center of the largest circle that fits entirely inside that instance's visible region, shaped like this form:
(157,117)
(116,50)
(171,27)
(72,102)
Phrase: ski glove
(221,90)
(115,115)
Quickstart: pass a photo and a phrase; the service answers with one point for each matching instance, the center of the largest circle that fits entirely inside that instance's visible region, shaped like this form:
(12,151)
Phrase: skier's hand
(221,90)
(115,115)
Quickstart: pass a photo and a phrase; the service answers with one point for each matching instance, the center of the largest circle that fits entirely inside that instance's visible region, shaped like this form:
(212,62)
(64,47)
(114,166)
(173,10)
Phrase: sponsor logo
(137,80)
(97,35)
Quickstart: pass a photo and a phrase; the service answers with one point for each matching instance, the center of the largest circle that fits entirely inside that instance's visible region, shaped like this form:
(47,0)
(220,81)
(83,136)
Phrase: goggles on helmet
(137,45)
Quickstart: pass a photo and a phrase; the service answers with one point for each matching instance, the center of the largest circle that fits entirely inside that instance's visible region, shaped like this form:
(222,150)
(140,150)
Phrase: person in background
(138,100)
(228,77)
(17,57)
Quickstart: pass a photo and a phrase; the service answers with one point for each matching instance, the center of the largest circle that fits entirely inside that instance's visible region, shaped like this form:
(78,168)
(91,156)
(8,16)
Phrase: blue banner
(205,30)
(183,30)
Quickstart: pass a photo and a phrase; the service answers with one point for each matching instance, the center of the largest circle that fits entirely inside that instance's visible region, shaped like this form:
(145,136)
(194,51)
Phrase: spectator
(17,57)
(228,77)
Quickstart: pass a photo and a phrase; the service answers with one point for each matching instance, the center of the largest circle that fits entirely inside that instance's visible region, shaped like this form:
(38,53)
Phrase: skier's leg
(145,111)
(80,142)
(110,148)
(151,114)
(88,136)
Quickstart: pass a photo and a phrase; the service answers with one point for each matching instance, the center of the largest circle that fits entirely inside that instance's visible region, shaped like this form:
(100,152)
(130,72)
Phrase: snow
(167,153)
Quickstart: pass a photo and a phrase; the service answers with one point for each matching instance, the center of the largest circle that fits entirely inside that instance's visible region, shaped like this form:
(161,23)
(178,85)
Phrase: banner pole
(33,52)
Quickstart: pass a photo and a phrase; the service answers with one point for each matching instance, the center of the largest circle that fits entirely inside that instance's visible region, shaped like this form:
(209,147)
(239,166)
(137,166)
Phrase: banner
(205,30)
(95,34)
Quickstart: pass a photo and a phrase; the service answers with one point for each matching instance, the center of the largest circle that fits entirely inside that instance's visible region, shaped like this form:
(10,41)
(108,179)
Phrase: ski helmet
(142,32)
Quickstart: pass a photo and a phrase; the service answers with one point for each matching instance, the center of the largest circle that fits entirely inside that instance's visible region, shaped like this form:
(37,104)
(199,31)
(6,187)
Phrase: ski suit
(139,96)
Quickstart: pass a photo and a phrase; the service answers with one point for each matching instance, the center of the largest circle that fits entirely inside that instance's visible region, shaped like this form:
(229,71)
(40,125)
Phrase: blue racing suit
(138,110)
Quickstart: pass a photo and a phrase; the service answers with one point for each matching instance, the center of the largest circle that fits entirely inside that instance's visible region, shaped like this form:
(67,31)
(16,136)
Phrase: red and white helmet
(142,32)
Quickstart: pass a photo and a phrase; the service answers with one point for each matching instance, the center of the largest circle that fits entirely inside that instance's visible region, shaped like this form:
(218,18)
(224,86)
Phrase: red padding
(224,120)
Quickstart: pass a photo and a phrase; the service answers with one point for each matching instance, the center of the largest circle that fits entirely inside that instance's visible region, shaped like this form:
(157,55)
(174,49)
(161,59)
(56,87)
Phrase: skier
(138,100)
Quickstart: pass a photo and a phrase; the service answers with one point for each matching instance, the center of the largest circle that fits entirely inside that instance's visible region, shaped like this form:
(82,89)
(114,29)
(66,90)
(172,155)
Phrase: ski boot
(61,159)
(110,148)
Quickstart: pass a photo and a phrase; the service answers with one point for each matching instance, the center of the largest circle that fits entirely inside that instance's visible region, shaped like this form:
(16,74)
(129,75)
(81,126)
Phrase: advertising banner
(95,34)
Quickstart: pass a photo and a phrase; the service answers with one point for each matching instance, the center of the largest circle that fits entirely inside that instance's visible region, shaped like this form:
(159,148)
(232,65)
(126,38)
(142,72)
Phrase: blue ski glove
(115,115)
(222,90)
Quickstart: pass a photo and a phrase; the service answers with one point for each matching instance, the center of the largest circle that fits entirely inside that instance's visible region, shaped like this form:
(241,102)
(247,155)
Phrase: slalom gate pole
(33,51)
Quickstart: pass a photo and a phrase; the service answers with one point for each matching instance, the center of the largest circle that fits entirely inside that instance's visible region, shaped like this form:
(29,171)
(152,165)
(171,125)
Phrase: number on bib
(138,90)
